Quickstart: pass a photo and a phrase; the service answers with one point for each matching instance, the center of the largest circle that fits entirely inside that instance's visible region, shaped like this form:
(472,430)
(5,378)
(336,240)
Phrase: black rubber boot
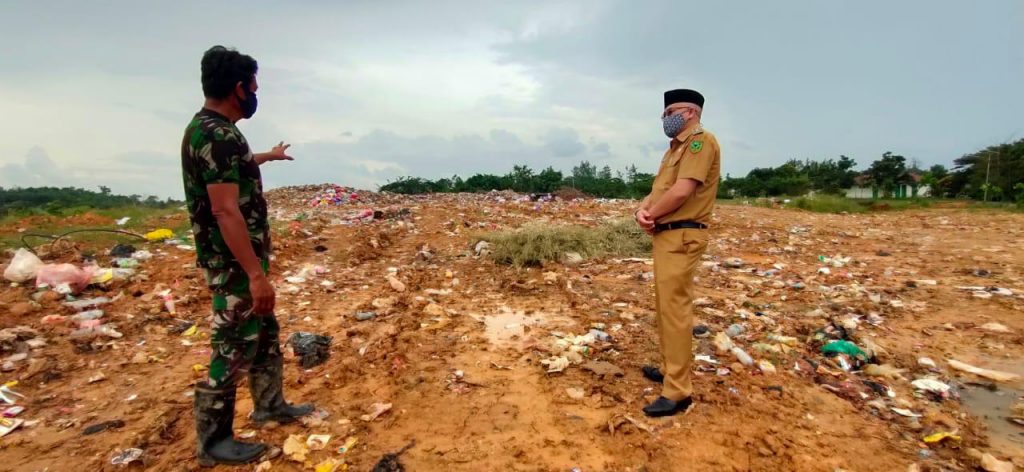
(215,416)
(653,373)
(266,383)
(665,407)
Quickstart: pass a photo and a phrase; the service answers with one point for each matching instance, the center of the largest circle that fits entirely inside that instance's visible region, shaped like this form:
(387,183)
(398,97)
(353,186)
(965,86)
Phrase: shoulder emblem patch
(696,146)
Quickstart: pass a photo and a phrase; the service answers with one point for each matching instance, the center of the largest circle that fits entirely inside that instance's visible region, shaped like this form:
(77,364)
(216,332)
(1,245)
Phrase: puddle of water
(993,407)
(507,328)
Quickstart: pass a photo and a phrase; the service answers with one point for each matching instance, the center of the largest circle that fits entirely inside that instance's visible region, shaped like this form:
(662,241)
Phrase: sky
(99,93)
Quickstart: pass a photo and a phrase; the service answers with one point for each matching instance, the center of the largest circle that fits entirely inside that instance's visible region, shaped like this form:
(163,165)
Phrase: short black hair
(223,68)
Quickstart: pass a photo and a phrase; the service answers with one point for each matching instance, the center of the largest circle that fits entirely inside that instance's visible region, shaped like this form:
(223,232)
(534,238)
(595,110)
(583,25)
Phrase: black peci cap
(684,96)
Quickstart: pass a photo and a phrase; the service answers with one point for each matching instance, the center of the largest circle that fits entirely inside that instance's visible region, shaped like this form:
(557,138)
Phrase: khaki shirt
(694,154)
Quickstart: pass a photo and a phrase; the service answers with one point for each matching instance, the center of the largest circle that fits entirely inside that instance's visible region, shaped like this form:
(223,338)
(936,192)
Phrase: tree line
(585,178)
(995,173)
(53,200)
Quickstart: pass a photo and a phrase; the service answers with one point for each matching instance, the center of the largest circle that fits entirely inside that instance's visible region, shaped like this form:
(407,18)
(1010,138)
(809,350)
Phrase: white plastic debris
(930,385)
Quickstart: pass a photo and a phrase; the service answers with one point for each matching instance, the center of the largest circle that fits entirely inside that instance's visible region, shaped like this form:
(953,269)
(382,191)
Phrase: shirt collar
(690,130)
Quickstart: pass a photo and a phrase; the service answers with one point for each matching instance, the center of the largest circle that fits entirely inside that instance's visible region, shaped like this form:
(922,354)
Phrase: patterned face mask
(673,124)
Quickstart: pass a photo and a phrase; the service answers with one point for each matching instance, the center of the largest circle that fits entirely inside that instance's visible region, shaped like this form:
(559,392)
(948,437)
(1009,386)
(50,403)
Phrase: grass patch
(142,221)
(538,243)
(828,204)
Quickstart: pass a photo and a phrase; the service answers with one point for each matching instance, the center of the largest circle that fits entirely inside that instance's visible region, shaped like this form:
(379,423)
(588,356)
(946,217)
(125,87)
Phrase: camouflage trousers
(239,338)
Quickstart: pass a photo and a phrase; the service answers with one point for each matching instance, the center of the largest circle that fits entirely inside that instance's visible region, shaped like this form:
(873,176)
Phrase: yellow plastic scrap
(191,331)
(349,444)
(159,234)
(103,276)
(939,437)
(331,465)
(198,368)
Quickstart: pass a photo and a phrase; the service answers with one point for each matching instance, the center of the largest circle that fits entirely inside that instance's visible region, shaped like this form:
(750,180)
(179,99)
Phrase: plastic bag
(23,267)
(312,349)
(64,278)
(159,234)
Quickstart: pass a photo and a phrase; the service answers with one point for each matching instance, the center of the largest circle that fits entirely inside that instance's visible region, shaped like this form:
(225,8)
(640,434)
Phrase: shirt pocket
(669,171)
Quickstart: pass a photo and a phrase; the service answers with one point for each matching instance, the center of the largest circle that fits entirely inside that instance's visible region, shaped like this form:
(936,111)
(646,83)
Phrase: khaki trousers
(676,257)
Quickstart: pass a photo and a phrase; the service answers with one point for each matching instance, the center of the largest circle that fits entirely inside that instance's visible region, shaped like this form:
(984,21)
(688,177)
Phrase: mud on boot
(214,411)
(267,384)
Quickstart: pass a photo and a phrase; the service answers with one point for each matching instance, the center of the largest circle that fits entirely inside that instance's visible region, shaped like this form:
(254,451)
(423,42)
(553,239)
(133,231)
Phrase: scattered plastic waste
(121,251)
(733,263)
(317,442)
(127,456)
(86,303)
(376,410)
(844,347)
(556,364)
(941,436)
(312,349)
(9,396)
(734,330)
(159,235)
(600,335)
(295,448)
(931,385)
(723,343)
(7,425)
(23,267)
(742,356)
(87,315)
(365,315)
(905,412)
(66,279)
(349,444)
(330,465)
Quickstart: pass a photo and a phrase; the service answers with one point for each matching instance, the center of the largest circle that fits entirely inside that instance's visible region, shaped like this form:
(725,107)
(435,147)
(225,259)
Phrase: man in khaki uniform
(677,213)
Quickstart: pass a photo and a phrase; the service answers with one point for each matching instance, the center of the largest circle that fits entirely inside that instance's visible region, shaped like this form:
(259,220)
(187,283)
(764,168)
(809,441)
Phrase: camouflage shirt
(214,151)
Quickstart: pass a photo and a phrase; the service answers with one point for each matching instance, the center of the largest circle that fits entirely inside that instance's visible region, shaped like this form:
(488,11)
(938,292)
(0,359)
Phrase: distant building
(908,187)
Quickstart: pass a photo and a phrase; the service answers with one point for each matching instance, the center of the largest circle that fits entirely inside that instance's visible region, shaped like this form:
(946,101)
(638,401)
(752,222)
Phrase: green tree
(548,180)
(521,178)
(937,178)
(1000,165)
(886,172)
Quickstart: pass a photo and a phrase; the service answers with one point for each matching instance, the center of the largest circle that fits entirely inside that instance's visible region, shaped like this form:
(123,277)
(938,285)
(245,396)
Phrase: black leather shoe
(665,407)
(653,374)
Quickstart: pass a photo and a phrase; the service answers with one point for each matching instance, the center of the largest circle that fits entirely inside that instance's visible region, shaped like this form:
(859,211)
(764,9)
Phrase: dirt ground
(458,353)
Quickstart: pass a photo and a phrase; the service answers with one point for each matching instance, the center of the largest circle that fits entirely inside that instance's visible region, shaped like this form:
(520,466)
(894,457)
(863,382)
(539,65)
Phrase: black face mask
(248,104)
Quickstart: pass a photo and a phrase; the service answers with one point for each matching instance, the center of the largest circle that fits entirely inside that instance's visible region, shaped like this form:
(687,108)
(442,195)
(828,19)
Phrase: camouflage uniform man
(224,191)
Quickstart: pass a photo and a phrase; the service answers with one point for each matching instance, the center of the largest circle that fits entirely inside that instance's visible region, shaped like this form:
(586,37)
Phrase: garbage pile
(816,338)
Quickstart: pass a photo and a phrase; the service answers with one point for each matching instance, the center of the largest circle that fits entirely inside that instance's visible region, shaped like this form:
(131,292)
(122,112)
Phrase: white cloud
(367,91)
